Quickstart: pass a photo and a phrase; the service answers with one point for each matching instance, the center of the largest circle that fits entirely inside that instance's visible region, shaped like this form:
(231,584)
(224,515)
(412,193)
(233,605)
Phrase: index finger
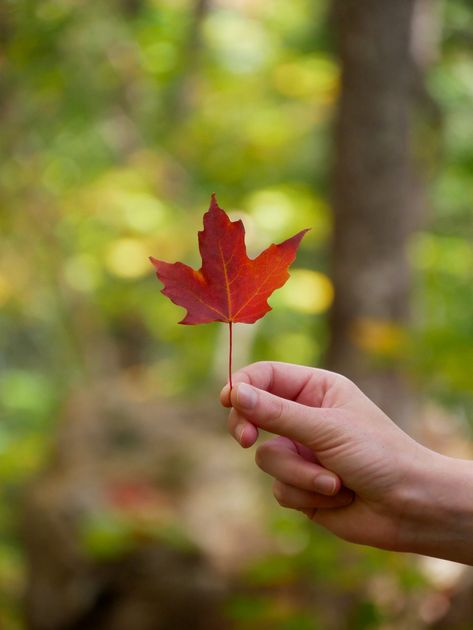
(304,384)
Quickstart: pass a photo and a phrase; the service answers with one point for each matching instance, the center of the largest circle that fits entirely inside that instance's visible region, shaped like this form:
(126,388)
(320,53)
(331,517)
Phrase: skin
(336,457)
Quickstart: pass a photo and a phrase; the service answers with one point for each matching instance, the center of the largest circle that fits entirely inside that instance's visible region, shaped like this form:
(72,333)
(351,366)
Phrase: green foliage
(313,572)
(108,535)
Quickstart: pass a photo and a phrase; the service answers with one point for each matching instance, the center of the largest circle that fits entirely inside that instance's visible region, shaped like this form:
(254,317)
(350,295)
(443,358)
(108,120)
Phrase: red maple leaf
(229,287)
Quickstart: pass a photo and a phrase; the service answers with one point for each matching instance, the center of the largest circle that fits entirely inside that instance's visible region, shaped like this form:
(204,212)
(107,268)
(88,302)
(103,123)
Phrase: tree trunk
(372,195)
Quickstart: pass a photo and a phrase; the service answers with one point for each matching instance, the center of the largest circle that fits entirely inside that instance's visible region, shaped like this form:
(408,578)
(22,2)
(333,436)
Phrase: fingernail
(325,484)
(246,396)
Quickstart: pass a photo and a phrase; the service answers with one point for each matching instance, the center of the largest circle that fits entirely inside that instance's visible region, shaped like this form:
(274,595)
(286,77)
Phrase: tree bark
(372,194)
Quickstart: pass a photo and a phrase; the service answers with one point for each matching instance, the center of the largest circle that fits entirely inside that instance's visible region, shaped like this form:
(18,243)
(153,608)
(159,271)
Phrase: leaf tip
(213,201)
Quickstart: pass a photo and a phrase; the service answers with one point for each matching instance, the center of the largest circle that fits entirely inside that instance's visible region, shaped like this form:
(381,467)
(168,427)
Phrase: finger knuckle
(280,494)
(260,364)
(266,453)
(277,410)
(260,456)
(344,381)
(232,420)
(258,367)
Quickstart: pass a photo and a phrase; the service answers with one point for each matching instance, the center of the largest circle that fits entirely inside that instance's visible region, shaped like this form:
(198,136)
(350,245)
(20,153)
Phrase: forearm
(437,512)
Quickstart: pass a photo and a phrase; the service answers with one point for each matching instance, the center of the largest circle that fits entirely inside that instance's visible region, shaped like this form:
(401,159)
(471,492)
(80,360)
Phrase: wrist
(437,507)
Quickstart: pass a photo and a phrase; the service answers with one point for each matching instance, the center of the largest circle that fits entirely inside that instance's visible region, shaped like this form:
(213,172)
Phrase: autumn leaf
(229,287)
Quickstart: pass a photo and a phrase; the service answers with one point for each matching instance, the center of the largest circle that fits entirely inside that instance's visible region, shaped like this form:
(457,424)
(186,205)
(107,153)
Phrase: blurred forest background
(124,504)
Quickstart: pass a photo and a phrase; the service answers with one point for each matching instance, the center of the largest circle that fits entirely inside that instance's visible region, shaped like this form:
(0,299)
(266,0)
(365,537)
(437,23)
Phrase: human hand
(326,426)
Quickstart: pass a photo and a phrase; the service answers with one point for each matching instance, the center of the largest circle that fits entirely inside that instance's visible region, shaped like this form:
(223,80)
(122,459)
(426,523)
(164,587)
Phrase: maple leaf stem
(230,355)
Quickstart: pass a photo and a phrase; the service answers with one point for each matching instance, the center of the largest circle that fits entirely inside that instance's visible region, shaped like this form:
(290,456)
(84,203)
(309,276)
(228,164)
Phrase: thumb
(284,417)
